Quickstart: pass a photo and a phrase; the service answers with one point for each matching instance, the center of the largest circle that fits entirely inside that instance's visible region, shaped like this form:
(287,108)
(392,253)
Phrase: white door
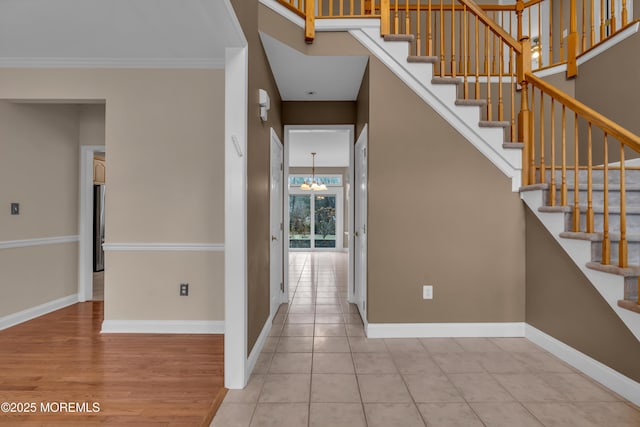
(276,222)
(360,226)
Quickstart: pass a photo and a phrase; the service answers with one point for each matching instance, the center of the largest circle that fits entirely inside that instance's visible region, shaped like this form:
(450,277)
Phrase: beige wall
(39,170)
(163,135)
(91,124)
(258,225)
(319,112)
(362,112)
(562,303)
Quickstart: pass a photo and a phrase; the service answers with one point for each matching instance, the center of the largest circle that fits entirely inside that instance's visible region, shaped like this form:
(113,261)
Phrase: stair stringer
(465,119)
(610,286)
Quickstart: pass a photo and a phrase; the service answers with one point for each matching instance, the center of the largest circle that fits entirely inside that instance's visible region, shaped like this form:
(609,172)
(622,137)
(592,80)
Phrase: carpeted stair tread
(494,124)
(533,187)
(399,38)
(422,59)
(446,80)
(472,102)
(552,209)
(629,305)
(514,145)
(631,271)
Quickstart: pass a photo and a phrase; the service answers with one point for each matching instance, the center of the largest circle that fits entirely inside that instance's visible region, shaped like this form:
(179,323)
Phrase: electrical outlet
(15,208)
(184,289)
(427,292)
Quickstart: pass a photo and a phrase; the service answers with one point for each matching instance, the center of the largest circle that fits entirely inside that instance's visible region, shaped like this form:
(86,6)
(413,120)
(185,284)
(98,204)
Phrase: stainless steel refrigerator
(98,227)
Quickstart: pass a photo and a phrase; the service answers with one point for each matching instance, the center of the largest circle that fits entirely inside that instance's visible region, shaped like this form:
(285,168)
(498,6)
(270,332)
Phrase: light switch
(15,208)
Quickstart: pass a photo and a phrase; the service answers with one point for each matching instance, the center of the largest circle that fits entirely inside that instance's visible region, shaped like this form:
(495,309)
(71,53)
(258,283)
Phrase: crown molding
(210,63)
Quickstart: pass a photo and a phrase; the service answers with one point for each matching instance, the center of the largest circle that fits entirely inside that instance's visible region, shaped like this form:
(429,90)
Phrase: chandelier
(314,186)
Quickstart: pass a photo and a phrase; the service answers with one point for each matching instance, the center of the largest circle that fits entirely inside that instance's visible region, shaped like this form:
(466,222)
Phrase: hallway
(318,369)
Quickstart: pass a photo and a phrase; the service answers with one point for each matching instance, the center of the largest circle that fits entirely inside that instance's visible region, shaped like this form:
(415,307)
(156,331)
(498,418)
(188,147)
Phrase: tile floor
(318,369)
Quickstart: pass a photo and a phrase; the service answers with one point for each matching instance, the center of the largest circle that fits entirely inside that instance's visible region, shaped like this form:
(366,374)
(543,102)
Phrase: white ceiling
(330,78)
(156,33)
(332,146)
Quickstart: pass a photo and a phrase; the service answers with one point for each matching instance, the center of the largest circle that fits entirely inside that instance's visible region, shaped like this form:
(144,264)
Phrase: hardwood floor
(136,379)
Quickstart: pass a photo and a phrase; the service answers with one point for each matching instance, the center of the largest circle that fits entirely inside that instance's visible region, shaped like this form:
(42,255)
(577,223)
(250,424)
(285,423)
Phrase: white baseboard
(37,311)
(441,330)
(163,327)
(614,380)
(258,346)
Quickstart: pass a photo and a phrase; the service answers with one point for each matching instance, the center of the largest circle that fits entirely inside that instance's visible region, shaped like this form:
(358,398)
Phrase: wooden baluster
(351,8)
(576,176)
(572,42)
(584,25)
(453,39)
(602,20)
(624,13)
(461,41)
(364,9)
(395,18)
(407,17)
(385,16)
(525,119)
(532,150)
(477,61)
(606,241)
(429,41)
(590,217)
(442,68)
(465,58)
(513,94)
(550,32)
(418,35)
(341,8)
(612,21)
(487,52)
(542,165)
(623,255)
(563,184)
(330,7)
(593,31)
(500,102)
(552,185)
(494,47)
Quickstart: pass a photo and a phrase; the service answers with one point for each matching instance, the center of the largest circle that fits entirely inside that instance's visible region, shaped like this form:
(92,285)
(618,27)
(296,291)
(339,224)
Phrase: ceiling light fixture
(314,186)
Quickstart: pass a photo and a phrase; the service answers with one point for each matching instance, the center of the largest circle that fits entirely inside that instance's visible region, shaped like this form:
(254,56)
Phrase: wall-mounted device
(15,208)
(265,104)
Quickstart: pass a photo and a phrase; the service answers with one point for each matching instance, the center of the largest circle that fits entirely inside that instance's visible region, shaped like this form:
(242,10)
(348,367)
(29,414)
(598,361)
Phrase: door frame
(360,282)
(85,226)
(276,293)
(347,187)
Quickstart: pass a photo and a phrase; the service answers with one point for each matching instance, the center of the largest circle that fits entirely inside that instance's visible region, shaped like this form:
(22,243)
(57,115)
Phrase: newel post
(310,20)
(385,18)
(525,117)
(572,41)
(519,10)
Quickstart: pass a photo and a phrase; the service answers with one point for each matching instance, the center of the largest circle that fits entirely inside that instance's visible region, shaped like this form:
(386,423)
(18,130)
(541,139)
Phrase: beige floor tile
(329,318)
(576,387)
(328,301)
(516,345)
(302,308)
(279,319)
(501,363)
(331,345)
(449,415)
(285,388)
(300,318)
(505,414)
(333,363)
(374,363)
(458,363)
(233,415)
(334,388)
(430,388)
(336,415)
(393,414)
(415,363)
(552,414)
(291,363)
(330,330)
(383,388)
(441,345)
(480,388)
(281,415)
(404,345)
(353,318)
(270,344)
(366,345)
(354,330)
(611,414)
(543,362)
(295,345)
(481,345)
(249,394)
(328,309)
(263,364)
(297,330)
(276,330)
(529,388)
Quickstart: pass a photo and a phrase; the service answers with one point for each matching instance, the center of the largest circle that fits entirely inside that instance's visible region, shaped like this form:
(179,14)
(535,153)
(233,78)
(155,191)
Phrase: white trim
(442,99)
(608,43)
(284,12)
(162,327)
(212,63)
(259,345)
(178,247)
(610,286)
(85,222)
(10,244)
(556,69)
(346,24)
(37,311)
(237,28)
(439,330)
(624,386)
(235,218)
